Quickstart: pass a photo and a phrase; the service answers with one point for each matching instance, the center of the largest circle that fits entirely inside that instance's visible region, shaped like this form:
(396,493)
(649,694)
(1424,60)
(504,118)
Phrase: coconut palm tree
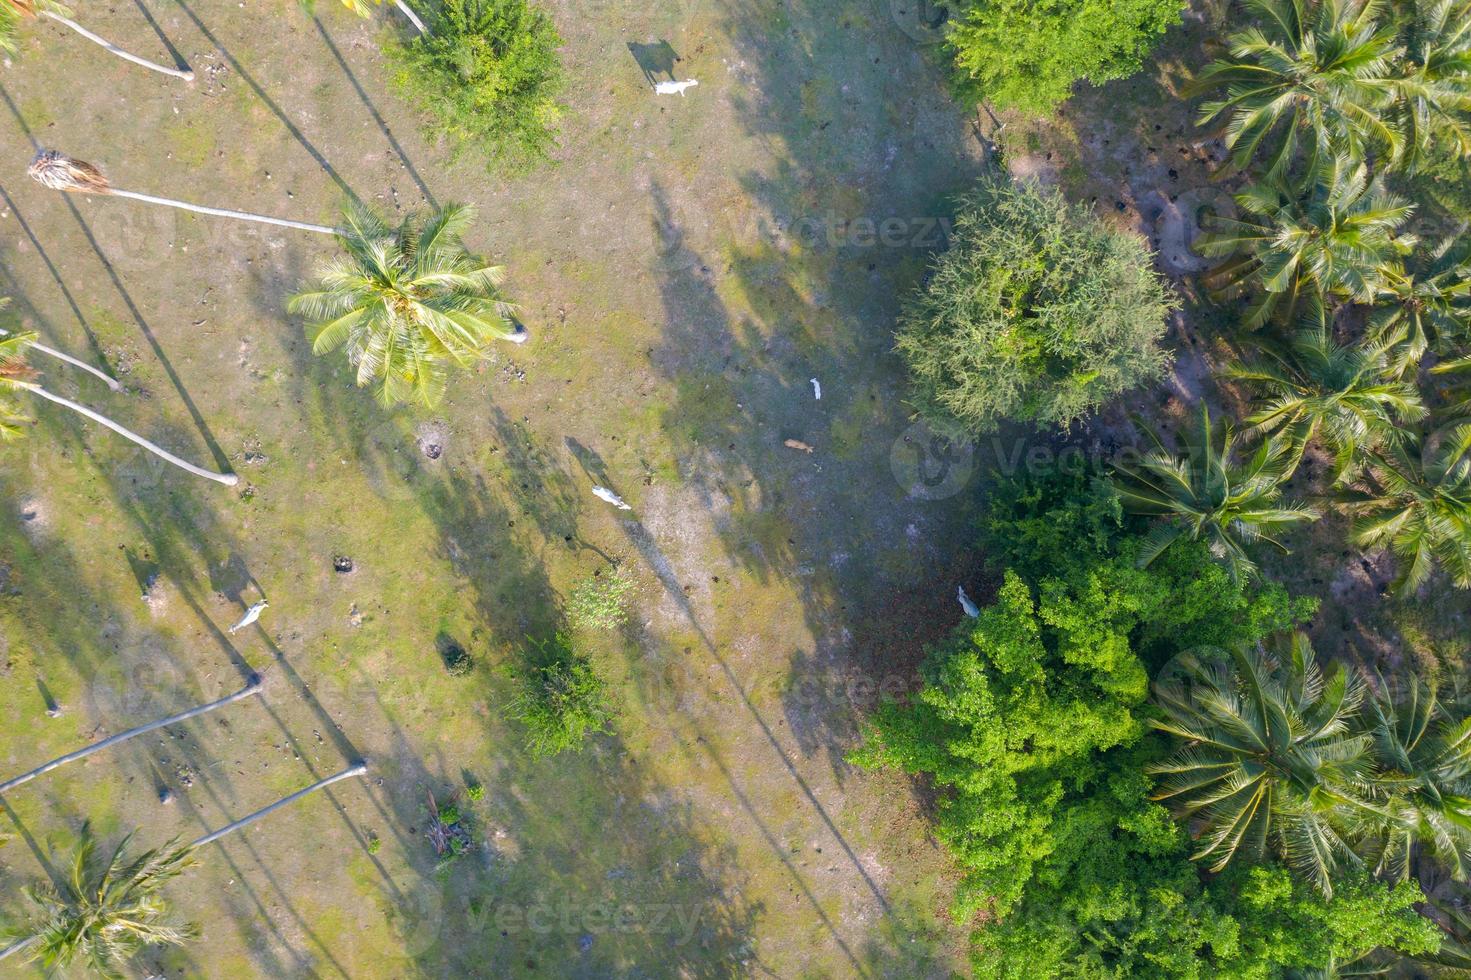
(1316,389)
(407,302)
(1340,236)
(107,911)
(59,172)
(17,377)
(1434,91)
(254,687)
(1318,77)
(1423,303)
(1208,495)
(13,12)
(1267,756)
(1417,503)
(1421,780)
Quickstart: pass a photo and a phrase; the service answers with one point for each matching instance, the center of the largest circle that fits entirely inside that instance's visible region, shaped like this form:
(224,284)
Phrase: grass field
(685,267)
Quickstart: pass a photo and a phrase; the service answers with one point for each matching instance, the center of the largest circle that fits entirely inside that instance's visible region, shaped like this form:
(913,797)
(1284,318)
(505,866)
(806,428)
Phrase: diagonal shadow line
(646,545)
(270,103)
(221,459)
(66,292)
(781,854)
(42,858)
(179,60)
(377,117)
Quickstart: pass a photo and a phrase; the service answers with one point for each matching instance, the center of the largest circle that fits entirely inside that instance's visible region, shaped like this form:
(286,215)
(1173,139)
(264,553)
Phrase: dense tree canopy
(1027,55)
(1038,312)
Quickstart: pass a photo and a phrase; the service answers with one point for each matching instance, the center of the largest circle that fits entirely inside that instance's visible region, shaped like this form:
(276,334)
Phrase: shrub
(565,701)
(457,661)
(1026,54)
(475,792)
(600,602)
(1038,312)
(449,814)
(487,74)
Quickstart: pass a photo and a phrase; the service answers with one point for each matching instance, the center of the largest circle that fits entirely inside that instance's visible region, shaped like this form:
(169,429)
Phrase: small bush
(565,702)
(476,792)
(375,843)
(487,73)
(601,601)
(1039,312)
(457,661)
(449,814)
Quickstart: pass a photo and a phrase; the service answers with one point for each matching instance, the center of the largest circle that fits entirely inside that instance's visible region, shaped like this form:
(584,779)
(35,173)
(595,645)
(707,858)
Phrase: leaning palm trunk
(413,17)
(253,687)
(56,170)
(228,479)
(356,770)
(106,379)
(187,75)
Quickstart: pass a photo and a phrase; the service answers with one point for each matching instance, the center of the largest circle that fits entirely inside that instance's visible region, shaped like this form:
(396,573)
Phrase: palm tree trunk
(18,946)
(106,379)
(187,75)
(226,213)
(356,770)
(228,479)
(413,17)
(253,687)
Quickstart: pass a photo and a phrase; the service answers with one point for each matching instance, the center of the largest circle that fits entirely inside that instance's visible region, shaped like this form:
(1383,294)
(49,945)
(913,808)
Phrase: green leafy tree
(1021,707)
(1038,312)
(488,75)
(406,303)
(1313,77)
(1346,397)
(1022,55)
(105,911)
(1417,503)
(1209,495)
(1341,237)
(1269,757)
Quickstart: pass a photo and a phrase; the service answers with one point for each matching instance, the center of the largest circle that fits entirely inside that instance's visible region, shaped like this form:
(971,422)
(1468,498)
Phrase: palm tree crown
(1434,92)
(1421,779)
(407,302)
(1269,757)
(1424,304)
(106,910)
(1418,505)
(1209,495)
(15,376)
(1340,236)
(1317,76)
(1344,395)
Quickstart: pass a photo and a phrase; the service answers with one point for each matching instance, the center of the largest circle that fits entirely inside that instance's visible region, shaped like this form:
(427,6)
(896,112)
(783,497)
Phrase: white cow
(674,88)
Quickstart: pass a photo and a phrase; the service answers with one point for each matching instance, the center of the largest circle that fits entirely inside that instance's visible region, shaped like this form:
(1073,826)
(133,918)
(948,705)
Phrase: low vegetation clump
(1039,312)
(1018,54)
(564,702)
(488,75)
(600,602)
